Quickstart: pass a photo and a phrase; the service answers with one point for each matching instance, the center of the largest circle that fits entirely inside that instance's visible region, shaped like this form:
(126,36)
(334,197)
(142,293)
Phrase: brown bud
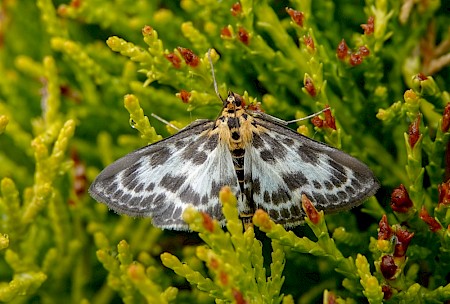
(432,223)
(174,59)
(317,121)
(208,223)
(387,291)
(446,119)
(238,297)
(223,277)
(309,86)
(355,59)
(184,96)
(414,132)
(403,239)
(369,27)
(236,9)
(243,36)
(384,230)
(388,267)
(444,193)
(400,201)
(364,51)
(189,57)
(147,30)
(421,77)
(309,42)
(296,16)
(214,263)
(310,210)
(225,32)
(330,121)
(342,50)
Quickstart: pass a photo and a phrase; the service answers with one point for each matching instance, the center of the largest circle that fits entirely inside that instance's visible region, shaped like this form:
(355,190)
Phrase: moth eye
(237,100)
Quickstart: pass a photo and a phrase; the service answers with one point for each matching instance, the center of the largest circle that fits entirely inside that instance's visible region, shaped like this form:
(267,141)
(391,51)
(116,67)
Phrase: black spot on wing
(267,156)
(257,141)
(199,158)
(294,180)
(130,171)
(285,213)
(295,211)
(276,148)
(150,187)
(172,182)
(320,200)
(288,141)
(328,185)
(139,187)
(317,185)
(350,190)
(308,155)
(135,201)
(211,143)
(160,156)
(256,186)
(177,213)
(342,195)
(332,198)
(130,182)
(266,196)
(274,214)
(280,197)
(159,200)
(180,144)
(190,196)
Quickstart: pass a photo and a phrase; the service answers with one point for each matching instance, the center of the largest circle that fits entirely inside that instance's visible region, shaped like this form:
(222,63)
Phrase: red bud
(384,230)
(369,27)
(189,57)
(342,50)
(444,193)
(309,86)
(414,132)
(244,36)
(400,201)
(296,16)
(236,9)
(208,223)
(432,223)
(310,210)
(403,239)
(388,267)
(174,59)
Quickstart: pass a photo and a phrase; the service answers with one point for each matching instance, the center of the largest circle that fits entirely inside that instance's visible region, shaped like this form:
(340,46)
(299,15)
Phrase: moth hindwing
(267,165)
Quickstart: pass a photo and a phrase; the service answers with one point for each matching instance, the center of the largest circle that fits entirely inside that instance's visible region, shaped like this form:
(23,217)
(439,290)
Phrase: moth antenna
(164,121)
(308,117)
(214,75)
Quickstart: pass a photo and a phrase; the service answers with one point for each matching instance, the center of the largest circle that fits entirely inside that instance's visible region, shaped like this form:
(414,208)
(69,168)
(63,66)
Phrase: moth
(267,165)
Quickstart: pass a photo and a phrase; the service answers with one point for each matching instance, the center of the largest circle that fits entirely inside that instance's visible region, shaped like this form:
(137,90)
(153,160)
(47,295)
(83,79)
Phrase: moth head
(233,100)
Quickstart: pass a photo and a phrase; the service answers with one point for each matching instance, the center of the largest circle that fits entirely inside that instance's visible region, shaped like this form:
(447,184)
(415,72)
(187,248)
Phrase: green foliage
(70,72)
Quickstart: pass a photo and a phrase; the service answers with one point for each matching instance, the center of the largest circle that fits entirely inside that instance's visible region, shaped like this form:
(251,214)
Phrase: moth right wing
(162,179)
(281,165)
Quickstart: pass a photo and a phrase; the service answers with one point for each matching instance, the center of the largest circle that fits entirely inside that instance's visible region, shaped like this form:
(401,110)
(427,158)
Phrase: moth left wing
(162,179)
(280,165)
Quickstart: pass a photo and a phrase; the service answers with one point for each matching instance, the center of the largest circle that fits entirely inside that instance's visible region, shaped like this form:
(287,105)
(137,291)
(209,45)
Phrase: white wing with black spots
(280,165)
(162,179)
